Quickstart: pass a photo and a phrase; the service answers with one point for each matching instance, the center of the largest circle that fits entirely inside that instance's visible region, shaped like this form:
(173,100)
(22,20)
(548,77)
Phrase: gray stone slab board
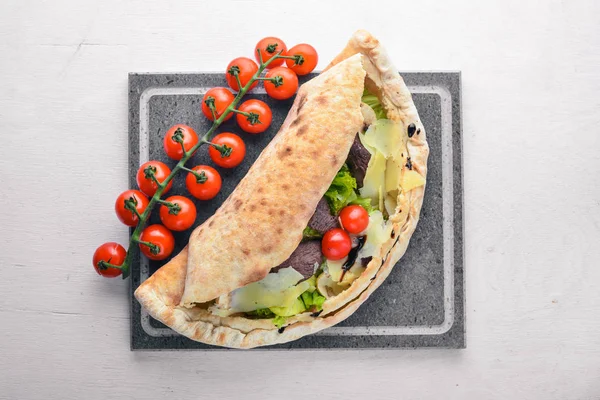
(421,304)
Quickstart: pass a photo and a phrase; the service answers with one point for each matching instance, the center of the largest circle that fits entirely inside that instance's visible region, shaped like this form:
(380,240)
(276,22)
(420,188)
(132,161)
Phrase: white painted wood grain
(532,196)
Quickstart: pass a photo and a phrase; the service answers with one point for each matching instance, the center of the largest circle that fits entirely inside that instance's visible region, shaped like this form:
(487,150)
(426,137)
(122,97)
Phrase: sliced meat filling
(358,161)
(359,156)
(322,220)
(304,259)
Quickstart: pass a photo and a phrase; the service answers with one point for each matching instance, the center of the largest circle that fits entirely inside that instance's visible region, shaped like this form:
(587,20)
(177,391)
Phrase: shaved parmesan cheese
(377,233)
(334,268)
(386,141)
(380,194)
(361,137)
(352,274)
(390,204)
(385,136)
(411,179)
(374,178)
(328,287)
(275,290)
(393,175)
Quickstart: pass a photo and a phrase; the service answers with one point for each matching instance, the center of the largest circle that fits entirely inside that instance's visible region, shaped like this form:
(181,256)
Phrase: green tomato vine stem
(134,240)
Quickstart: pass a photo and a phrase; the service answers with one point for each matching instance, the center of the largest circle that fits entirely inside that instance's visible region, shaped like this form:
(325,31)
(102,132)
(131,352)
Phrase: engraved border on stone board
(447,224)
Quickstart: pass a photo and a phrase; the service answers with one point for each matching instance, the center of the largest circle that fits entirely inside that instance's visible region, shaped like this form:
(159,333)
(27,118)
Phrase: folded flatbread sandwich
(253,274)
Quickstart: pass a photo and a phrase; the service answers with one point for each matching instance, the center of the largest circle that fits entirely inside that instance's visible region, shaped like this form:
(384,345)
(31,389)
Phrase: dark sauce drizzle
(352,256)
(411,130)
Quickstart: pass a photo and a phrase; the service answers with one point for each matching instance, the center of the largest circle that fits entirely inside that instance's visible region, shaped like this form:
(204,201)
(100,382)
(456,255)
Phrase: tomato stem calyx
(275,80)
(252,117)
(200,176)
(178,137)
(298,58)
(174,208)
(271,48)
(149,173)
(235,72)
(223,149)
(210,103)
(104,265)
(154,249)
(131,205)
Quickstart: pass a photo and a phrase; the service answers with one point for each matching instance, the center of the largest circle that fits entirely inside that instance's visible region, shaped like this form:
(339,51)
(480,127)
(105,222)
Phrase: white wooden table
(531,84)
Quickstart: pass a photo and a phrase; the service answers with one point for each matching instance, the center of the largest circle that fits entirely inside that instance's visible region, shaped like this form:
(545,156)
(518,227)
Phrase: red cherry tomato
(354,219)
(259,119)
(285,86)
(186,134)
(268,47)
(180,217)
(308,59)
(245,67)
(232,144)
(222,98)
(137,199)
(336,244)
(207,185)
(112,253)
(161,238)
(144,178)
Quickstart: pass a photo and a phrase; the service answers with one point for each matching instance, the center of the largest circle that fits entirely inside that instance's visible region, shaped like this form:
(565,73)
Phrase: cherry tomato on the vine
(144,177)
(137,200)
(221,97)
(180,216)
(162,240)
(308,59)
(285,85)
(336,244)
(233,150)
(268,47)
(245,68)
(204,186)
(112,253)
(259,117)
(185,134)
(354,218)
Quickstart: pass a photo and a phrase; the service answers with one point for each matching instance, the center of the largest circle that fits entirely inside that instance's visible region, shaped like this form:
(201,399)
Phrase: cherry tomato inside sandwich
(336,244)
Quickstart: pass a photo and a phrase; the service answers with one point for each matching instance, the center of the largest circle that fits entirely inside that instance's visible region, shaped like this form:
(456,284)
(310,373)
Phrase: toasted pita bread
(242,241)
(182,280)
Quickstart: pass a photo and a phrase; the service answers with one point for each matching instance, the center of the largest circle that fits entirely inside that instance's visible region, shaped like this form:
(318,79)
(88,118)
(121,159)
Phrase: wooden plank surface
(532,190)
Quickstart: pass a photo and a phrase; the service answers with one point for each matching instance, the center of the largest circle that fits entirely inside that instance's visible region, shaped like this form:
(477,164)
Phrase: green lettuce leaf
(341,191)
(365,203)
(372,101)
(313,300)
(318,300)
(279,321)
(310,234)
(261,313)
(296,308)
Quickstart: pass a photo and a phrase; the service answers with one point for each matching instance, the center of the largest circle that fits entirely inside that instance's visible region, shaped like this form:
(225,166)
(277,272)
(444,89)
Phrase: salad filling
(370,178)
